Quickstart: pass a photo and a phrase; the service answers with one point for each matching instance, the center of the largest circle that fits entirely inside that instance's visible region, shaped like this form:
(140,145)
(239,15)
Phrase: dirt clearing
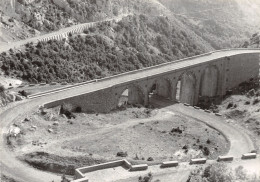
(48,139)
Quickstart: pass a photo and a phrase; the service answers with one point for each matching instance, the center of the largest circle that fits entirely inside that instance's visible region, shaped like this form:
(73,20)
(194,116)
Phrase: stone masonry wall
(231,71)
(240,68)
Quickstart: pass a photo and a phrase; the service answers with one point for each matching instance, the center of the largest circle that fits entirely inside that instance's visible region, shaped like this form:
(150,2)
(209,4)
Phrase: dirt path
(9,163)
(160,116)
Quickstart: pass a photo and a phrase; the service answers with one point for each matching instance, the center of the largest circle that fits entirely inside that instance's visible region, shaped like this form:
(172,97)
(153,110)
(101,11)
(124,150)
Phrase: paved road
(11,165)
(240,142)
(25,173)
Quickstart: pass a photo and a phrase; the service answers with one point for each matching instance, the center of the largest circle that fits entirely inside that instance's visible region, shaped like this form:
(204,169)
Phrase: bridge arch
(130,94)
(186,88)
(209,81)
(160,87)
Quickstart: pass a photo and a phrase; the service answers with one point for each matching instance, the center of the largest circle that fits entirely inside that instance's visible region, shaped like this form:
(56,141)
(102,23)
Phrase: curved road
(53,35)
(240,142)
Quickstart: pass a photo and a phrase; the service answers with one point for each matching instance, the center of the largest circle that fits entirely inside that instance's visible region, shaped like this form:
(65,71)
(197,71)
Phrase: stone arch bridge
(210,75)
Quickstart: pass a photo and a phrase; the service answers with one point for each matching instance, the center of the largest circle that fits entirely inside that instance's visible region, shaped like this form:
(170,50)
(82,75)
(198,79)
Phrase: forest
(134,43)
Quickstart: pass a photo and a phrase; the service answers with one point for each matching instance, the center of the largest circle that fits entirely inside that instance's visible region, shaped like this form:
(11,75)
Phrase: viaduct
(211,74)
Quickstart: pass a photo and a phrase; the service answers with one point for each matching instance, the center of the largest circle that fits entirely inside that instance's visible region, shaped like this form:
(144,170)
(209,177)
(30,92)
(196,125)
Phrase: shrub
(255,101)
(67,110)
(121,154)
(206,151)
(147,178)
(78,109)
(2,88)
(247,102)
(23,93)
(230,105)
(150,159)
(176,130)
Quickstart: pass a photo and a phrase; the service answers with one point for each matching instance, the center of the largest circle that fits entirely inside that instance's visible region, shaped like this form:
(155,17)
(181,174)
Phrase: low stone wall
(249,156)
(80,173)
(225,158)
(169,164)
(198,161)
(139,167)
(101,166)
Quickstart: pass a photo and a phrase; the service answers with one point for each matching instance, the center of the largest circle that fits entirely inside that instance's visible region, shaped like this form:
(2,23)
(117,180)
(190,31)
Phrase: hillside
(136,42)
(218,24)
(35,17)
(222,23)
(253,42)
(153,33)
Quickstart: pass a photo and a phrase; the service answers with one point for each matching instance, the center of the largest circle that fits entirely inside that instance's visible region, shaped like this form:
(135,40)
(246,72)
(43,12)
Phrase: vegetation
(49,15)
(253,42)
(2,89)
(219,172)
(5,178)
(147,178)
(135,42)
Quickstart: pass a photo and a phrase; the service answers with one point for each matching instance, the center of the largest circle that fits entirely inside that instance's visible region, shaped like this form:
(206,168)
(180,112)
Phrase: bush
(150,159)
(121,154)
(206,151)
(23,93)
(78,109)
(255,101)
(67,110)
(247,102)
(2,88)
(176,130)
(147,178)
(230,105)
